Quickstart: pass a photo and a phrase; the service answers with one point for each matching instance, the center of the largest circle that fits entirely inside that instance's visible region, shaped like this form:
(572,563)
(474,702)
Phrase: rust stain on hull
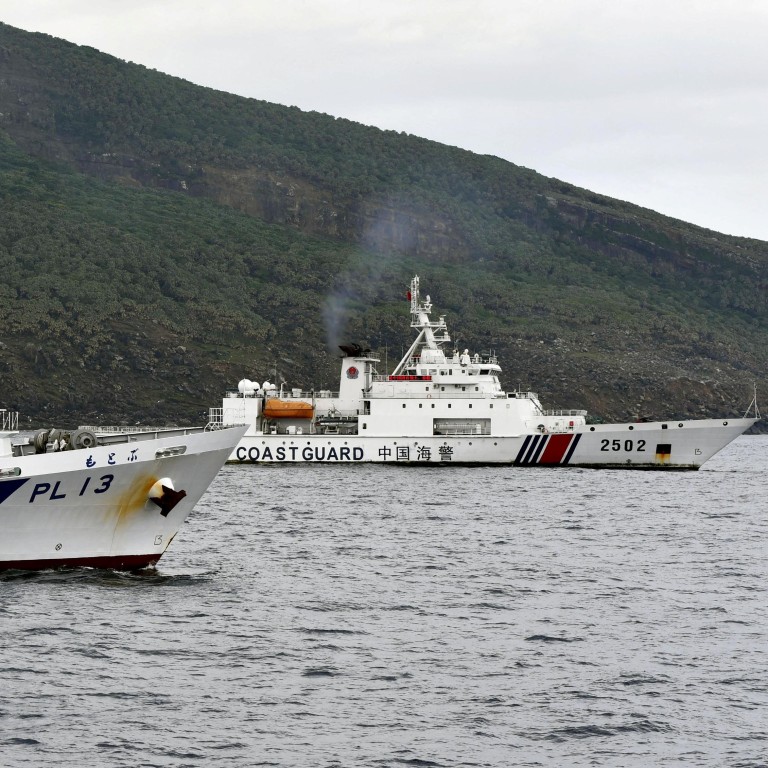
(134,498)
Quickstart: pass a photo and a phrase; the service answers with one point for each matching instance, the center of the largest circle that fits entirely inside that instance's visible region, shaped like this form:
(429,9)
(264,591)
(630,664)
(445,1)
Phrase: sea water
(397,616)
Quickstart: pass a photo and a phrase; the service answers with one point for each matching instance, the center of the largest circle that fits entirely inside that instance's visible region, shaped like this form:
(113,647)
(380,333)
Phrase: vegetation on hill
(159,241)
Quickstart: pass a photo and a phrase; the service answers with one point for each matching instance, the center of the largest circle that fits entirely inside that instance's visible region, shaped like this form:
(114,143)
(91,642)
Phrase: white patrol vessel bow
(111,499)
(444,406)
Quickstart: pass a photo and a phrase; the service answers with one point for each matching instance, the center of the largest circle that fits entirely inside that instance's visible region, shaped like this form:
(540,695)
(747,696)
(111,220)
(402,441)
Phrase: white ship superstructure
(444,405)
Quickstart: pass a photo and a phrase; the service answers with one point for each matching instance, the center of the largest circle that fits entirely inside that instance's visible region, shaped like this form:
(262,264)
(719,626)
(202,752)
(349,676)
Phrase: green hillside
(159,241)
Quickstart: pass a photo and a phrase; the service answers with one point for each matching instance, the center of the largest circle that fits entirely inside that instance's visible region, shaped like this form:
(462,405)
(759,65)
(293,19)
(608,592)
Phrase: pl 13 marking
(101,485)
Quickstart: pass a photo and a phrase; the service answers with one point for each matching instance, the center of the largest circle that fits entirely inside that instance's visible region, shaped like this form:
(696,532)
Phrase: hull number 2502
(622,445)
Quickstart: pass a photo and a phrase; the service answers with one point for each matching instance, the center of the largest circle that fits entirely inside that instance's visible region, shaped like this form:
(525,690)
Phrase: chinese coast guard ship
(440,406)
(101,499)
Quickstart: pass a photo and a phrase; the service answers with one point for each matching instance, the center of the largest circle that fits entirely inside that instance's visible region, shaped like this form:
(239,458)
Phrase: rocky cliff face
(390,222)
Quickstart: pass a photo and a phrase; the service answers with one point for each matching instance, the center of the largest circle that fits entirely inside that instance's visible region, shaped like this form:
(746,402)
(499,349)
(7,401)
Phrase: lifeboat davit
(288,409)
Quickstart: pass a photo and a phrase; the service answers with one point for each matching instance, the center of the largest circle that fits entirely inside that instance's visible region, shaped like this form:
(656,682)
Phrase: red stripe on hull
(115,562)
(557,445)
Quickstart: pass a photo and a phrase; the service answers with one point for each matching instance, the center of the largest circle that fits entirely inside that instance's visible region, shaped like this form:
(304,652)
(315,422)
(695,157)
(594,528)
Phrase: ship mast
(420,320)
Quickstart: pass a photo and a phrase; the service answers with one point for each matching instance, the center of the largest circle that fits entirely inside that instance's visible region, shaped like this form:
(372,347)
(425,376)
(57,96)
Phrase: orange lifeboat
(288,409)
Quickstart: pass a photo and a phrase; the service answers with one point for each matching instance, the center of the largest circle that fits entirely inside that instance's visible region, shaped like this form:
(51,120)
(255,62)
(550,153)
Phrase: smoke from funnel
(393,229)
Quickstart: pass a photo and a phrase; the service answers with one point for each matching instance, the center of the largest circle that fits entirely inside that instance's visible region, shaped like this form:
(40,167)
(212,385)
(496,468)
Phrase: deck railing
(9,420)
(118,429)
(286,394)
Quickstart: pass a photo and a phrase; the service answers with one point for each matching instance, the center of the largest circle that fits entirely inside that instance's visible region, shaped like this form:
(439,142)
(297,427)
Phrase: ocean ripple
(375,616)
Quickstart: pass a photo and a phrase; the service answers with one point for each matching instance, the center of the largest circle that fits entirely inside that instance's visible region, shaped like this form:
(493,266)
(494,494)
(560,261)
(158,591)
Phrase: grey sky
(662,103)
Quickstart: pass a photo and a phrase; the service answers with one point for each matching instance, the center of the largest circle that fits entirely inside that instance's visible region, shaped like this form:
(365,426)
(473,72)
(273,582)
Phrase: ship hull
(684,445)
(93,508)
